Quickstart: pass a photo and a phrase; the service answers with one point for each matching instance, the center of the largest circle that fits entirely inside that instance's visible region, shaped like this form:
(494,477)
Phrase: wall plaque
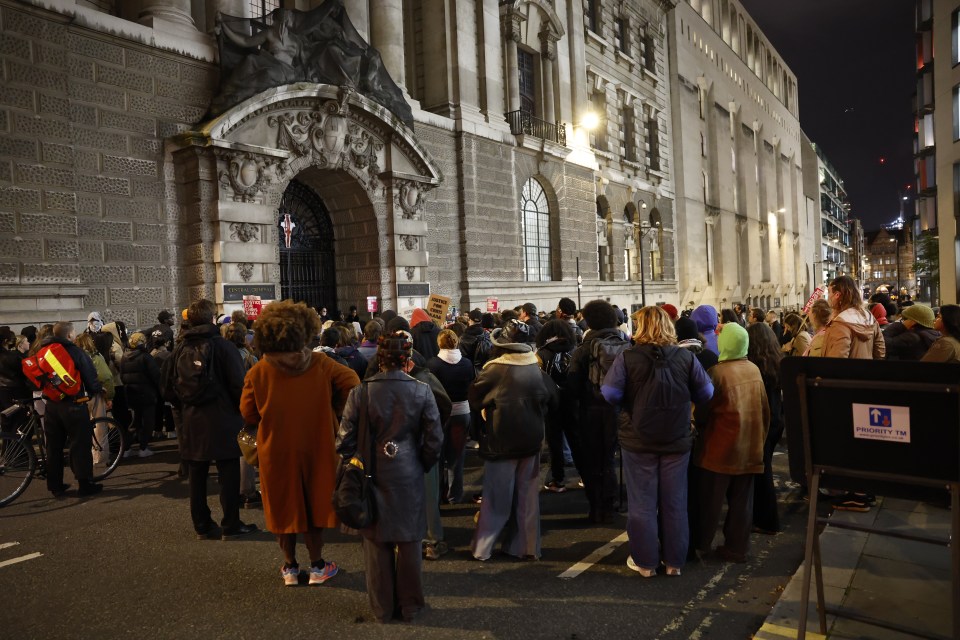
(413,289)
(235,292)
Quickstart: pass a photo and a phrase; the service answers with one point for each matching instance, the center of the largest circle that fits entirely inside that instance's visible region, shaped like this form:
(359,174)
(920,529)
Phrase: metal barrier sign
(881,422)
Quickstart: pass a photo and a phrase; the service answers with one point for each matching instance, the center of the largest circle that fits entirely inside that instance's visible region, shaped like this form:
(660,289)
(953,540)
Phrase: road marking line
(7,545)
(787,632)
(594,557)
(30,556)
(677,622)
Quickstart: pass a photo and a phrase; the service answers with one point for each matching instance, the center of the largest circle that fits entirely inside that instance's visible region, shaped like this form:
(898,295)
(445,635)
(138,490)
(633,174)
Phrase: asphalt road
(126,564)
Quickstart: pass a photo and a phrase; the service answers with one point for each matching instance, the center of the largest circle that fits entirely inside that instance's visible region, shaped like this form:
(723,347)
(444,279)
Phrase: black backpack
(603,351)
(192,372)
(659,401)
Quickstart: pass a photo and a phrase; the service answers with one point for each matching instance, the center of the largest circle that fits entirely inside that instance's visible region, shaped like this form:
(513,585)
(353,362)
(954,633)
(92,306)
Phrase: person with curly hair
(294,395)
(407,433)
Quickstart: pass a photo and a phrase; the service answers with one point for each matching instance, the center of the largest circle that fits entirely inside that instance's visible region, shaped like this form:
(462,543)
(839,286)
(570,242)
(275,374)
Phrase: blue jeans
(657,483)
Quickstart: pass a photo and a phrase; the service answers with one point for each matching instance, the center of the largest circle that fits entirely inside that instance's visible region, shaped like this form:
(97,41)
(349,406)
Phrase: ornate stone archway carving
(232,172)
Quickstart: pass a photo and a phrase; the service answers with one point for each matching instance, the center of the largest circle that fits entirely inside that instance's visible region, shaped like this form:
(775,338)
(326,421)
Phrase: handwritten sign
(437,308)
(493,305)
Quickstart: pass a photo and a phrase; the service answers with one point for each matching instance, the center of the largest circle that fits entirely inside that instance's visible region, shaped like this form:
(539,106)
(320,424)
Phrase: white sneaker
(129,453)
(646,573)
(145,453)
(291,576)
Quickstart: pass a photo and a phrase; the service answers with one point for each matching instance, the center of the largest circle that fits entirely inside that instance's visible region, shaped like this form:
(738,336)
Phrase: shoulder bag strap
(366,443)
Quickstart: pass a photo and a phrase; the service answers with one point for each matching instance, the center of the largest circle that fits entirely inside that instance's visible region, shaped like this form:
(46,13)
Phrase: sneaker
(291,575)
(319,575)
(580,483)
(433,551)
(251,502)
(673,571)
(554,487)
(171,435)
(852,502)
(633,566)
(129,453)
(145,453)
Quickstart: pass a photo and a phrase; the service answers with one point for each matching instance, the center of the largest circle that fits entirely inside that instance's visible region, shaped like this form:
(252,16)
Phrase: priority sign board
(881,422)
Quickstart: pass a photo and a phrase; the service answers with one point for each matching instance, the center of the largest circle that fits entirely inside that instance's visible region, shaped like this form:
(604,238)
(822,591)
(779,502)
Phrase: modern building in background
(542,148)
(745,233)
(834,220)
(937,128)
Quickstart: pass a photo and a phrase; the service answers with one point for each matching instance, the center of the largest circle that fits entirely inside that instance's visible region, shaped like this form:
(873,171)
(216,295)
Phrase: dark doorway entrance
(307,270)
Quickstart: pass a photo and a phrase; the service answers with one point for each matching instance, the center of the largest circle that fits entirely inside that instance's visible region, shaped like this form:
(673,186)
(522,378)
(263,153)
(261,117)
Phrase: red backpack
(54,372)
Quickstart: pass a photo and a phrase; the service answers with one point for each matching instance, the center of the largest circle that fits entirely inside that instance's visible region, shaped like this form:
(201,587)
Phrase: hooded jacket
(706,318)
(424,331)
(94,322)
(854,333)
(475,345)
(908,344)
(515,397)
(140,374)
(734,424)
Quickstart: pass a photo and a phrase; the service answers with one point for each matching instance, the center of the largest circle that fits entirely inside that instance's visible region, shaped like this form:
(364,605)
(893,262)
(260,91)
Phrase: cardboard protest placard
(437,308)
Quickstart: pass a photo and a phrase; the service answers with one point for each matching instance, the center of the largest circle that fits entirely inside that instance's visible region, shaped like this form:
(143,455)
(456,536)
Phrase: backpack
(659,413)
(603,351)
(192,373)
(54,372)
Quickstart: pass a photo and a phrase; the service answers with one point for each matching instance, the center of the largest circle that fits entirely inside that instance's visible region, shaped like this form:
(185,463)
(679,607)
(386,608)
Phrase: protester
(567,311)
(514,396)
(141,380)
(100,403)
(294,396)
(476,344)
(706,318)
(689,338)
(68,418)
(729,451)
(556,343)
(819,317)
(455,373)
(655,383)
(236,334)
(596,419)
(371,333)
(424,331)
(764,351)
(405,426)
(910,338)
(947,348)
(14,386)
(796,339)
(527,314)
(209,419)
(853,332)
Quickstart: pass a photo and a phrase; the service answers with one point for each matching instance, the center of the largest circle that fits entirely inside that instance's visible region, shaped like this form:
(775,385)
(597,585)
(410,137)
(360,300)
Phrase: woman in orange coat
(295,396)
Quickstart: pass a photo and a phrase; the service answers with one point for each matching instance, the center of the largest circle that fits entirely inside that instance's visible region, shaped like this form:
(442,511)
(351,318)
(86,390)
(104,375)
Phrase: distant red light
(883,160)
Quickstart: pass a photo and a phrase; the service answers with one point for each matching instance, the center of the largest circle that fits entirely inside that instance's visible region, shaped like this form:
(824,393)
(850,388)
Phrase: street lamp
(645,227)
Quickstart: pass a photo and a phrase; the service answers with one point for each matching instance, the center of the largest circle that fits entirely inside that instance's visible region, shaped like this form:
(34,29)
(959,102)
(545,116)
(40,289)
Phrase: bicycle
(21,460)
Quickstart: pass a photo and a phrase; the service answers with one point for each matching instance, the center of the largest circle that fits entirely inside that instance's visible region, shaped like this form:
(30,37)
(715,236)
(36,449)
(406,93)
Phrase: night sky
(855,64)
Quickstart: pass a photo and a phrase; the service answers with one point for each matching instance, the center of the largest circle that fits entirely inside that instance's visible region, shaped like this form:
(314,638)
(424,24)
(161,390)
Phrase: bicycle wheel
(109,443)
(17,462)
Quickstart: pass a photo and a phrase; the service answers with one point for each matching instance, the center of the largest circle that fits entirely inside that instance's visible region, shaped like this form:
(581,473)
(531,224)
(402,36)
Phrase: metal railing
(525,123)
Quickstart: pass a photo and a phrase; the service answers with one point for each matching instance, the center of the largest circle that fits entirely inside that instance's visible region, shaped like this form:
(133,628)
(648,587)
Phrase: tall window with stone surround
(591,11)
(653,140)
(628,130)
(260,8)
(526,77)
(598,136)
(535,229)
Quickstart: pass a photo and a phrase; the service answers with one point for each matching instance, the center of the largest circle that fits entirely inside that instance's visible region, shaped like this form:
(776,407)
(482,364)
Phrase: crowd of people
(691,402)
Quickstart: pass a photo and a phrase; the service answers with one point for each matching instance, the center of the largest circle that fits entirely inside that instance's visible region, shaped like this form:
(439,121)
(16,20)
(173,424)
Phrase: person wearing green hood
(729,451)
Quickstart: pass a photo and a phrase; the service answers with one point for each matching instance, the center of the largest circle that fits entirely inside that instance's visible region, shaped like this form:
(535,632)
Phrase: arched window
(535,228)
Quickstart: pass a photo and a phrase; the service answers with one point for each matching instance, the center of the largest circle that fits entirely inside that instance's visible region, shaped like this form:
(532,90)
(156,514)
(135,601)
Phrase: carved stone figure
(244,231)
(320,45)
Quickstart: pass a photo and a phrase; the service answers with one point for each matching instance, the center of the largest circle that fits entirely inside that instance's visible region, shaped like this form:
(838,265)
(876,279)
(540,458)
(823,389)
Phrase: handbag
(247,439)
(354,499)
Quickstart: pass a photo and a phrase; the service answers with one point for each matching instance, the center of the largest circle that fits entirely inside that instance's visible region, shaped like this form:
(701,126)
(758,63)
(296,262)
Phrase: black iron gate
(307,270)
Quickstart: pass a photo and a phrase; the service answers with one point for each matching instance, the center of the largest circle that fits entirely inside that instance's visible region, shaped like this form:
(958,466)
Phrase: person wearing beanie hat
(689,338)
(425,333)
(671,311)
(729,451)
(910,338)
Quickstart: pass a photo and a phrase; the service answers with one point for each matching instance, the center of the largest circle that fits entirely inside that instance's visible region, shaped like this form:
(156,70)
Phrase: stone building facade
(747,231)
(119,193)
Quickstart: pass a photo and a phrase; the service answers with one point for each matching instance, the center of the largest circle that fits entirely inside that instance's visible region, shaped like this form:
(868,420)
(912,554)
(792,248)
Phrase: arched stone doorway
(306,240)
(363,164)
